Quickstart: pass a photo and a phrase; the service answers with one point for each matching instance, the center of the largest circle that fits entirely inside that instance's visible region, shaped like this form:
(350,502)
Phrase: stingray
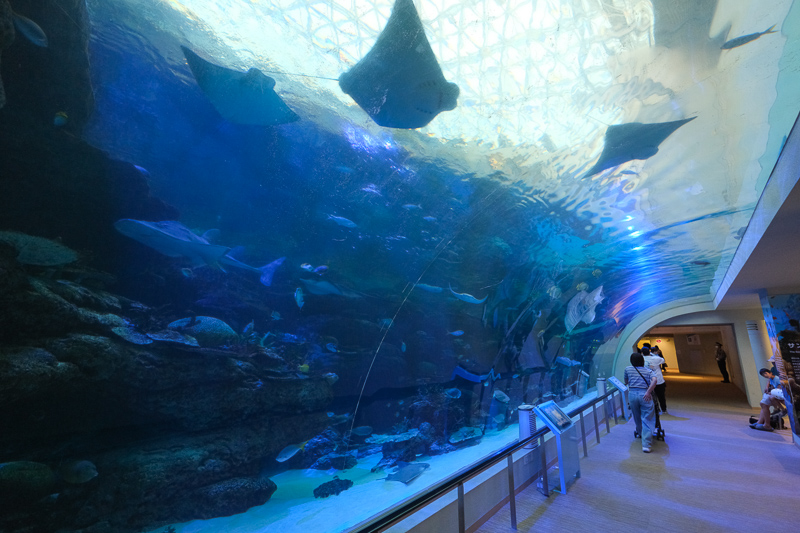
(322,288)
(399,83)
(581,308)
(635,140)
(173,239)
(407,472)
(240,97)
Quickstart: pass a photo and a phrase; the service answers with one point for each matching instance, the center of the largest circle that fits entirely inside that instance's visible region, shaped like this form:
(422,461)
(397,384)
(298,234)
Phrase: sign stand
(569,468)
(623,389)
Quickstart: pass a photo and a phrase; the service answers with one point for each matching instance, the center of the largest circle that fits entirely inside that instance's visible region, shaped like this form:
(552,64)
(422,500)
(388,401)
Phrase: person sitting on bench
(773,397)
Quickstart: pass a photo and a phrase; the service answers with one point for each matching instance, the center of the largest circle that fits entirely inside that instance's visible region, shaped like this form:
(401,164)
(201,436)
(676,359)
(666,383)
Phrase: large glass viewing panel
(305,259)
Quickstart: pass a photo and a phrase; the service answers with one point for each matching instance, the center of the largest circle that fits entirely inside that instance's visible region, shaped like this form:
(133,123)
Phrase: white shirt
(654,362)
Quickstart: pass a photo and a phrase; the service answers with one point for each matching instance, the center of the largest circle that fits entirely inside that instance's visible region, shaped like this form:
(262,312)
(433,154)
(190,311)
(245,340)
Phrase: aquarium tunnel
(263,261)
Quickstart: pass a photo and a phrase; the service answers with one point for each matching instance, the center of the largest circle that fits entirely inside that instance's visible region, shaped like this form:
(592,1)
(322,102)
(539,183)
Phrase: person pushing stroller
(641,381)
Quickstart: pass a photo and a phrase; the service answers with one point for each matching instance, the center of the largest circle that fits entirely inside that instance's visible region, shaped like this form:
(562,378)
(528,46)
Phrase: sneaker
(646,450)
(664,412)
(637,435)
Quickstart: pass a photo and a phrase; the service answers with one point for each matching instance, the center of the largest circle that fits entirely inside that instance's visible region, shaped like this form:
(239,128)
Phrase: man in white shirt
(654,362)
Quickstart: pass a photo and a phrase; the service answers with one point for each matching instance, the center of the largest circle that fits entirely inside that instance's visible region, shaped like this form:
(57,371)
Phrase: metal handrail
(457,480)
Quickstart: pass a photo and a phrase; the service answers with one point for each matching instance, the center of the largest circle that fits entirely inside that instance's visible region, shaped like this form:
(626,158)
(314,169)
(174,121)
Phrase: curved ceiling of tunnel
(540,84)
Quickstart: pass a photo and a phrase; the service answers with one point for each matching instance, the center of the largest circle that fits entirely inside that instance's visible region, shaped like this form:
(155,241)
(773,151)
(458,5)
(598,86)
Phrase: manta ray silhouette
(399,82)
(240,97)
(634,140)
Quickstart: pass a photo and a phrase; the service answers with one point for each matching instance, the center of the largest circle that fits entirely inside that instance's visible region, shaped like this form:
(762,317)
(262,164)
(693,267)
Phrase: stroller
(659,431)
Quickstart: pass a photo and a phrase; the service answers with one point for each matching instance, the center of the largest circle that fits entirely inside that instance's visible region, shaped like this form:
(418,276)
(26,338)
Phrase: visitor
(722,362)
(654,362)
(655,350)
(641,381)
(773,397)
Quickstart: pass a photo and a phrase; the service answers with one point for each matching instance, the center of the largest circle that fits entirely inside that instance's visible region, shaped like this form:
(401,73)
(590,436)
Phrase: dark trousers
(723,367)
(661,394)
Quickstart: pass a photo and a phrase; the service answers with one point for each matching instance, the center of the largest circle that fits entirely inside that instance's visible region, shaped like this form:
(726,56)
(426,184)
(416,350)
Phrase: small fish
(289,452)
(275,315)
(554,292)
(320,269)
(501,396)
(331,347)
(362,431)
(582,286)
(30,30)
(307,267)
(143,171)
(347,223)
(597,272)
(187,273)
(249,328)
(429,219)
(372,189)
(77,472)
(304,368)
(464,297)
(428,288)
(403,347)
(701,263)
(411,207)
(744,39)
(298,297)
(331,378)
(60,119)
(453,393)
(456,333)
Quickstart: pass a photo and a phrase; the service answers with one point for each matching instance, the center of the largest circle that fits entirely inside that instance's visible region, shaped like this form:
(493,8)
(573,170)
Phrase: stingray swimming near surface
(173,239)
(634,140)
(240,97)
(399,83)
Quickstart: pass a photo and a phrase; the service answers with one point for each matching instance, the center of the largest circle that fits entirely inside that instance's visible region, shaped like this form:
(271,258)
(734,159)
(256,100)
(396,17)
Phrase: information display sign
(552,415)
(566,437)
(618,384)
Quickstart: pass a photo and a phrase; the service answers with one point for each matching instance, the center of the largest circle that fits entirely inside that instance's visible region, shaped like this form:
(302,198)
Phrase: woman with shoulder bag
(641,381)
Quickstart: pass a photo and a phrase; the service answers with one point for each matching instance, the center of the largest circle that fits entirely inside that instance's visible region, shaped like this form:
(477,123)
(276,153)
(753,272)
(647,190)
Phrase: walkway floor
(713,474)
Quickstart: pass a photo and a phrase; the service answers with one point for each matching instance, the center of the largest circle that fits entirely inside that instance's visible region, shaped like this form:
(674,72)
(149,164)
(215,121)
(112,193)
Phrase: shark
(173,239)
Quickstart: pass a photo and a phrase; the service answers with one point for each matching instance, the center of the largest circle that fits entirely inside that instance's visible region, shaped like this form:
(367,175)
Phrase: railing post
(462,527)
(596,423)
(583,436)
(512,496)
